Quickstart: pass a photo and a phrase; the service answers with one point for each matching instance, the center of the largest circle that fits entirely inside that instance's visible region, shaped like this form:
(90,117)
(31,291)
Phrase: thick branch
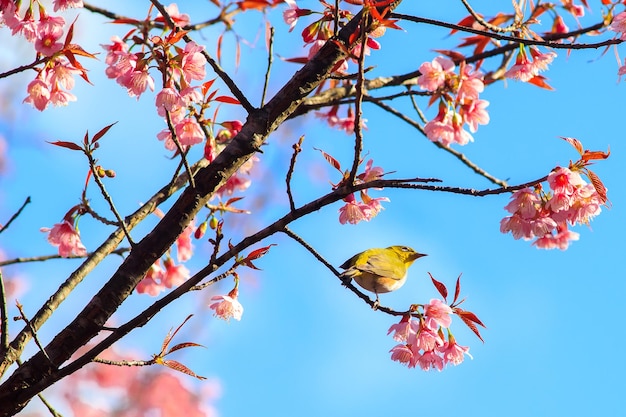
(39,372)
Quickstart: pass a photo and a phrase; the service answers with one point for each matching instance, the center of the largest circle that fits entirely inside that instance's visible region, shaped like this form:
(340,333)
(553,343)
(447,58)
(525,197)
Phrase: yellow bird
(380,270)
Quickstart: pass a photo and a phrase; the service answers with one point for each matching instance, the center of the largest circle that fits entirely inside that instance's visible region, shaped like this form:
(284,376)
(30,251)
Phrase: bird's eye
(405,249)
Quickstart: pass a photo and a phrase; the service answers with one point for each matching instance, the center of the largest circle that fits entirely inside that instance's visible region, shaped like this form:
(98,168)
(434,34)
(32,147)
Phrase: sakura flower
(619,25)
(193,62)
(66,238)
(293,13)
(438,311)
(169,99)
(453,353)
(38,94)
(189,132)
(474,114)
(430,360)
(404,330)
(560,240)
(523,69)
(60,5)
(404,354)
(227,306)
(433,74)
(152,283)
(174,275)
(426,338)
(184,248)
(180,19)
(49,33)
(541,60)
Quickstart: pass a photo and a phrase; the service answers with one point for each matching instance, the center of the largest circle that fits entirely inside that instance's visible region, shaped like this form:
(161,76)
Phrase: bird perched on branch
(380,270)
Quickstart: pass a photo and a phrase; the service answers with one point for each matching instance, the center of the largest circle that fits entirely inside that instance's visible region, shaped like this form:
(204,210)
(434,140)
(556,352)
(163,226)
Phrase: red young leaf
(472,327)
(68,145)
(440,287)
(468,315)
(226,99)
(595,155)
(257,253)
(101,133)
(219,48)
(330,160)
(598,185)
(206,86)
(457,289)
(575,143)
(540,81)
(177,366)
(470,321)
(170,336)
(183,346)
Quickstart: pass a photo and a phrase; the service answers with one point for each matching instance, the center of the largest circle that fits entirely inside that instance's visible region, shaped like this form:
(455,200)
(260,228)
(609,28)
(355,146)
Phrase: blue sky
(306,345)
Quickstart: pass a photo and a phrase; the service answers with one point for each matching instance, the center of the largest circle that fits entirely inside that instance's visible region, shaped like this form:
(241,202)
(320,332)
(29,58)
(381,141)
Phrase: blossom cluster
(546,216)
(527,68)
(422,341)
(46,34)
(355,211)
(459,103)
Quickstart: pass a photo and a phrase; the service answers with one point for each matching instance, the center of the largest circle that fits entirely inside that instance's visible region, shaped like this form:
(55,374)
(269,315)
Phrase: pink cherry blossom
(471,84)
(453,353)
(169,99)
(523,69)
(405,329)
(60,5)
(560,240)
(541,60)
(180,19)
(371,173)
(426,338)
(66,238)
(174,275)
(474,114)
(193,62)
(152,283)
(433,74)
(525,202)
(184,248)
(404,354)
(38,94)
(227,306)
(189,132)
(438,311)
(430,360)
(619,25)
(49,34)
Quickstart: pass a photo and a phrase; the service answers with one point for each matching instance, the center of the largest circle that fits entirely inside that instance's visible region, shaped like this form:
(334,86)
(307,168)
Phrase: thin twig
(32,329)
(486,24)
(358,105)
(297,148)
(550,40)
(124,363)
(21,260)
(107,198)
(270,60)
(179,147)
(214,280)
(14,216)
(4,318)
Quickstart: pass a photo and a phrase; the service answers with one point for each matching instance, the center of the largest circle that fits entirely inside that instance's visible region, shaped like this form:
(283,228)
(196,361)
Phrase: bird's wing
(377,264)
